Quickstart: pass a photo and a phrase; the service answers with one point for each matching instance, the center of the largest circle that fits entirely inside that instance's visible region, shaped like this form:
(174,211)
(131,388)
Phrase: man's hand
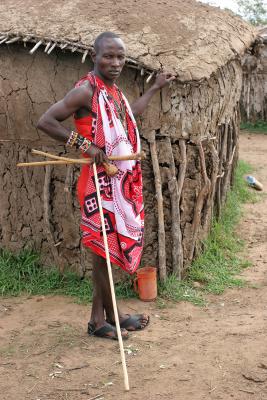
(97,155)
(162,80)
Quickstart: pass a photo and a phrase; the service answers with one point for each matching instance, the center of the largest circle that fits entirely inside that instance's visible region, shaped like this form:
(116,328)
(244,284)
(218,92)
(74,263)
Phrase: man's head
(108,56)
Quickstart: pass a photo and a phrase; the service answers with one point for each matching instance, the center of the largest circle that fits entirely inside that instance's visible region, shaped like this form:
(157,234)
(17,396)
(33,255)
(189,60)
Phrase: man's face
(110,58)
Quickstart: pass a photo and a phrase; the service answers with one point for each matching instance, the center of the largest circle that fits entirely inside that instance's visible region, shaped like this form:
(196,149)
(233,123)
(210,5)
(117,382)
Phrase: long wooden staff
(125,373)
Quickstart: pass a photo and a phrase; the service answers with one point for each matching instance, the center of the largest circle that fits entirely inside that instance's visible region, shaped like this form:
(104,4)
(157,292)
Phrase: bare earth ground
(215,352)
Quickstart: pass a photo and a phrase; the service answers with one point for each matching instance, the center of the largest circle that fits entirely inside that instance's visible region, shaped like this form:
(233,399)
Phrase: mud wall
(254,89)
(189,133)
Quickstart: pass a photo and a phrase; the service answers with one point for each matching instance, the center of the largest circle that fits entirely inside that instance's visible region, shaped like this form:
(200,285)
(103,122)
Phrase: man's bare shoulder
(86,85)
(81,95)
(84,89)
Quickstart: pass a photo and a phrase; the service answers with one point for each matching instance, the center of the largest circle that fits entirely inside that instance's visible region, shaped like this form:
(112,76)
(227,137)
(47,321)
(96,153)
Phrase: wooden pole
(177,249)
(161,227)
(200,201)
(125,373)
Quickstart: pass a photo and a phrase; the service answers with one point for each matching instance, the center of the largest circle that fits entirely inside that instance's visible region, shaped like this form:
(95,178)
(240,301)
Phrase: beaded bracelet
(78,141)
(72,139)
(85,145)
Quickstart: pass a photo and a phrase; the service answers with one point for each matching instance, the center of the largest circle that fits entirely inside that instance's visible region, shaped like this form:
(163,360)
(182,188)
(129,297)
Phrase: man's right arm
(50,121)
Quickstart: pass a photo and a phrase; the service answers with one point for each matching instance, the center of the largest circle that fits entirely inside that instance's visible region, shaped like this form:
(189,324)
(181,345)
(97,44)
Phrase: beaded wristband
(79,141)
(72,139)
(85,145)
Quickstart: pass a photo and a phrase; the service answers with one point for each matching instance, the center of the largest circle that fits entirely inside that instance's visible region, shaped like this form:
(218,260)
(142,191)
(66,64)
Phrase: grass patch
(23,274)
(216,268)
(124,290)
(174,290)
(258,126)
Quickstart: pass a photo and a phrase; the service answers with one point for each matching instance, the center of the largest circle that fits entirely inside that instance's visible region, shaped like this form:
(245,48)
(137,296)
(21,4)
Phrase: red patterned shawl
(122,198)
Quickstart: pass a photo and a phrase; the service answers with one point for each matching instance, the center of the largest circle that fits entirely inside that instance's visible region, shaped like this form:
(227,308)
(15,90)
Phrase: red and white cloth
(122,199)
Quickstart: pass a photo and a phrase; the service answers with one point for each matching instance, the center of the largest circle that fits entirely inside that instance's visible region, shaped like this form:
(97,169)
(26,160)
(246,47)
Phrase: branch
(200,200)
(213,181)
(175,192)
(161,228)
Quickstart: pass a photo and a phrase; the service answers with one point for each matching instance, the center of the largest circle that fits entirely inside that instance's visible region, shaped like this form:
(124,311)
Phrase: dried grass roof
(262,32)
(188,38)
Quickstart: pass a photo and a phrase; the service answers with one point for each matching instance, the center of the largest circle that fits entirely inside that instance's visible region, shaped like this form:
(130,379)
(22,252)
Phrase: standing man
(105,126)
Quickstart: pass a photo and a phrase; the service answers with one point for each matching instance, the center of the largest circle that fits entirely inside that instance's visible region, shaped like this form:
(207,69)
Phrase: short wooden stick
(134,156)
(42,153)
(125,373)
(111,169)
(36,46)
(43,163)
(150,77)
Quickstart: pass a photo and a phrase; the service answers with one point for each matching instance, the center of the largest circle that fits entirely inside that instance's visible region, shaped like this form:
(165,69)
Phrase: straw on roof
(262,32)
(185,37)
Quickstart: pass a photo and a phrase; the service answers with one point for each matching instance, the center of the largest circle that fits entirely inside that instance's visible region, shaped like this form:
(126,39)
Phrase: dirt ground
(215,352)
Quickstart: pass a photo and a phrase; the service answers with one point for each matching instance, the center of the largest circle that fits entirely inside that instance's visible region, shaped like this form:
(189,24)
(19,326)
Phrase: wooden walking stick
(117,322)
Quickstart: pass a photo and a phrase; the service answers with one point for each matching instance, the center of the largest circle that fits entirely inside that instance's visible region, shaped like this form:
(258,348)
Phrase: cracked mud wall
(254,89)
(201,116)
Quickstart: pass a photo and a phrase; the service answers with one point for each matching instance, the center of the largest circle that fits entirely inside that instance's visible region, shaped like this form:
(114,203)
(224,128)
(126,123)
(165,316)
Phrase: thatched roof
(186,37)
(262,32)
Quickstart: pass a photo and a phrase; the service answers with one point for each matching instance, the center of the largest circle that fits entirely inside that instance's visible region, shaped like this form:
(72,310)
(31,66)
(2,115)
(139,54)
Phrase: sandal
(104,332)
(133,323)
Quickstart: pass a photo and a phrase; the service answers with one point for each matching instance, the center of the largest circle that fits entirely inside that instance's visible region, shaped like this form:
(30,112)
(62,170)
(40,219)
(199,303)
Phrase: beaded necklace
(120,108)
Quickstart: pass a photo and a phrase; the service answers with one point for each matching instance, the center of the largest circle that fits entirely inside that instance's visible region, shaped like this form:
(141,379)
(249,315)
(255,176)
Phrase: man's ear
(93,55)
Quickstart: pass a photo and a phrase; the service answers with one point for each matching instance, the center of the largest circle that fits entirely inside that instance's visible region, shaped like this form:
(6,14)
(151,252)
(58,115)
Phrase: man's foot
(106,331)
(134,322)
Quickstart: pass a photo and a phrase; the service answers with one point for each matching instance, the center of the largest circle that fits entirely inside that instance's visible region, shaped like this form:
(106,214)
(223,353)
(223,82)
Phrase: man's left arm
(162,80)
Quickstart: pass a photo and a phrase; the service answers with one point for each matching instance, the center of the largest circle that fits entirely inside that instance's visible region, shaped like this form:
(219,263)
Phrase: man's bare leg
(101,273)
(99,282)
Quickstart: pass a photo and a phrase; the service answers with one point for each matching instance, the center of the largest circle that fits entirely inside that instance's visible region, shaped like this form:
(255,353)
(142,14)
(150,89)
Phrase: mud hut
(189,132)
(254,89)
